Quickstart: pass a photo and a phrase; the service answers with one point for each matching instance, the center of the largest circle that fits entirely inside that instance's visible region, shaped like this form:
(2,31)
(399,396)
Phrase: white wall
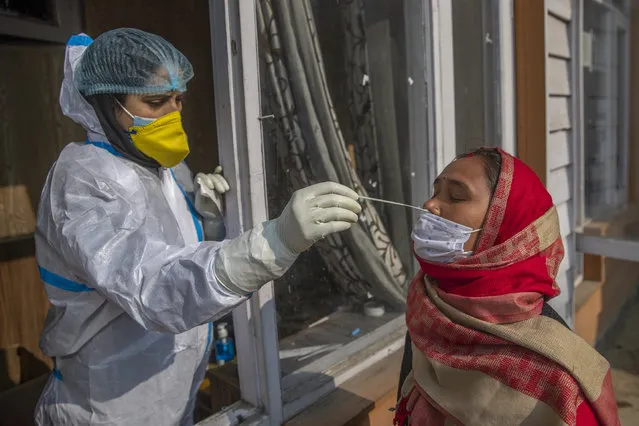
(559,146)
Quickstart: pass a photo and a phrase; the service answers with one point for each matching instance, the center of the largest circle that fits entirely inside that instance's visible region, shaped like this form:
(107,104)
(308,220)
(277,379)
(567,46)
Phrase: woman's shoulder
(82,166)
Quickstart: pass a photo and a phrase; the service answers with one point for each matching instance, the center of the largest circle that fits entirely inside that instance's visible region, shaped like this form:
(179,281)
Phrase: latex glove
(315,212)
(208,202)
(243,264)
(209,187)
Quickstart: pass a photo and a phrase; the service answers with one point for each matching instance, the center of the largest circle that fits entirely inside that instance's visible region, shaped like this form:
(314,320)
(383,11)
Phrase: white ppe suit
(132,290)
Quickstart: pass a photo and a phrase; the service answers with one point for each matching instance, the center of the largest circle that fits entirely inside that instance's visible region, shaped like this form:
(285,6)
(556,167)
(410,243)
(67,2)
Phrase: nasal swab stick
(394,203)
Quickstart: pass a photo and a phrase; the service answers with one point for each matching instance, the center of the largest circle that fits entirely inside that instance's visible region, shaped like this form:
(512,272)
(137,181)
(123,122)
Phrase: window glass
(475,50)
(605,124)
(334,77)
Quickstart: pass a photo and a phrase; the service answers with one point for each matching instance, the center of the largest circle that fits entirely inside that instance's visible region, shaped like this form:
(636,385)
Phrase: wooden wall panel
(530,68)
(32,128)
(633,189)
(560,184)
(17,216)
(32,133)
(23,307)
(558,77)
(559,113)
(559,80)
(560,8)
(558,38)
(559,150)
(565,213)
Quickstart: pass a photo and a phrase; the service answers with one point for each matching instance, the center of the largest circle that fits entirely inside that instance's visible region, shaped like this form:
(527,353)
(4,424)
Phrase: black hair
(105,109)
(492,164)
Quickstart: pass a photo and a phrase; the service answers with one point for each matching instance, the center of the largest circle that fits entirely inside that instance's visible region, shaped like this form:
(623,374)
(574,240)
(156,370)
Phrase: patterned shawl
(482,354)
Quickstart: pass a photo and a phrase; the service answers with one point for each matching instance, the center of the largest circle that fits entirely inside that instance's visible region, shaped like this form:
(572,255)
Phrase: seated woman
(484,347)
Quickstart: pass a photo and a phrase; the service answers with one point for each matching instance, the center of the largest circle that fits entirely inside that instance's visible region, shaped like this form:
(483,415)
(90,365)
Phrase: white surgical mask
(440,240)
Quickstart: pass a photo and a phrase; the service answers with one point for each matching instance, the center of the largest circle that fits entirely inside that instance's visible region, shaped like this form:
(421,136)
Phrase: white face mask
(440,240)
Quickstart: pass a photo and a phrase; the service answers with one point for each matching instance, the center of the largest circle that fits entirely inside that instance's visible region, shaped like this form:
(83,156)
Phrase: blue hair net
(130,61)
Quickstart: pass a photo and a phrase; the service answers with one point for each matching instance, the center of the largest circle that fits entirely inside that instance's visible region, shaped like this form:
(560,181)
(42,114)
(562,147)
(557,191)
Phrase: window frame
(590,237)
(578,141)
(507,110)
(442,75)
(499,75)
(579,186)
(237,104)
(66,22)
(237,100)
(622,20)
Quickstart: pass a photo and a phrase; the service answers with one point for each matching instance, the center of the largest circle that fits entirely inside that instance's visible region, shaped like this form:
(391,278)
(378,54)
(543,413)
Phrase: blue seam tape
(61,282)
(104,145)
(79,40)
(196,221)
(57,374)
(209,337)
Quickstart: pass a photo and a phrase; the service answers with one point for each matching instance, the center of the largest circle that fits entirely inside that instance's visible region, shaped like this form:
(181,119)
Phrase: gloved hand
(208,202)
(315,212)
(208,188)
(247,262)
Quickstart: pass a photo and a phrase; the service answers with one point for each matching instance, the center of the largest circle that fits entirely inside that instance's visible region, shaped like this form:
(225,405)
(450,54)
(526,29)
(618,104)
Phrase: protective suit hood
(72,102)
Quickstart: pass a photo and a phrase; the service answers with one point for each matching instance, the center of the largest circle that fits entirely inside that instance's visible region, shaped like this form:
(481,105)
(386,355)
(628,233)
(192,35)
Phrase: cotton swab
(393,203)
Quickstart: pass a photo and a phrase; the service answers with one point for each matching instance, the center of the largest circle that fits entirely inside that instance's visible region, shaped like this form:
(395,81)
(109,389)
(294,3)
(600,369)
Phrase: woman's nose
(432,206)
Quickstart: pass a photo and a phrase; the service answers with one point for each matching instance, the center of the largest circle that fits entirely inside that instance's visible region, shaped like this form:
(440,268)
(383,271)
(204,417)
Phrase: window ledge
(350,380)
(305,387)
(584,291)
(240,413)
(371,393)
(617,226)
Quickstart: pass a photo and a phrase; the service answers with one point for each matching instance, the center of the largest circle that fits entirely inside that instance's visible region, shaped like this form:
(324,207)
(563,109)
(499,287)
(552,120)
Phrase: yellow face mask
(163,139)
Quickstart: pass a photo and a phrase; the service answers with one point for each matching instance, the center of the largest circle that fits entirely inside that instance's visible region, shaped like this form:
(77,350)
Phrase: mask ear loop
(133,117)
(472,252)
(124,109)
(473,231)
(130,132)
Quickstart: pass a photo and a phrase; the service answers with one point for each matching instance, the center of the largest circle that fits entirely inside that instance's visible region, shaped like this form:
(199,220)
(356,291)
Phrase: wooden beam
(530,69)
(17,247)
(633,184)
(17,216)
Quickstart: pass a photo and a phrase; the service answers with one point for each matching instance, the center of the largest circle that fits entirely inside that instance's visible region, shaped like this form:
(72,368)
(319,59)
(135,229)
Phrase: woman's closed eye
(457,196)
(157,102)
(453,195)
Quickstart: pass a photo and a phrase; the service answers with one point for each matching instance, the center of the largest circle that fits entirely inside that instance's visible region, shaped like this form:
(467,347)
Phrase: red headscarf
(511,272)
